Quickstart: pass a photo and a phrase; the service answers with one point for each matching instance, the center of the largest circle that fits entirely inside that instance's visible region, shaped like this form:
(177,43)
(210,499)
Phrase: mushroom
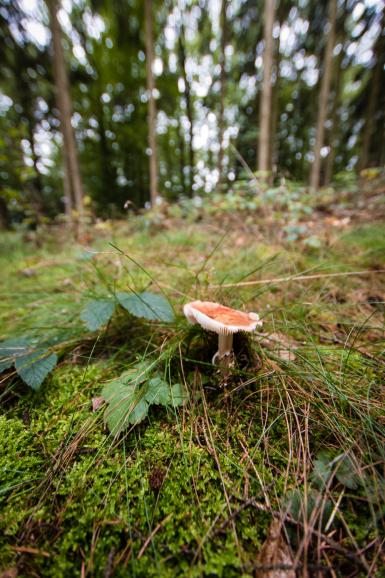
(224,321)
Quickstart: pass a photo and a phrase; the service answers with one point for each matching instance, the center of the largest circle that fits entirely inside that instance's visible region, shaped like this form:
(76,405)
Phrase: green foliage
(97,313)
(146,305)
(10,350)
(32,365)
(130,396)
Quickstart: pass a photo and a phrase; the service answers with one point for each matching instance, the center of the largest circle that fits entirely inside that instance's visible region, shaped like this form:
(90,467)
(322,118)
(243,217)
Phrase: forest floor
(296,434)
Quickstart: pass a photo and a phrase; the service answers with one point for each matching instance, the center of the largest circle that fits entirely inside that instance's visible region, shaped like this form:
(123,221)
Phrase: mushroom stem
(225,344)
(225,347)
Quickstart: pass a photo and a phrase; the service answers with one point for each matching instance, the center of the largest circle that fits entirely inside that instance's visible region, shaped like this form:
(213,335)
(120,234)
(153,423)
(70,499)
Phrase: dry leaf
(281,344)
(10,573)
(97,402)
(274,559)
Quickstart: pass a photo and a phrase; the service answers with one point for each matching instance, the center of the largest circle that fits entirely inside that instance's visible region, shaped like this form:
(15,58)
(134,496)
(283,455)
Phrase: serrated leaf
(120,403)
(322,469)
(346,474)
(10,349)
(178,395)
(158,392)
(134,376)
(124,406)
(139,412)
(97,313)
(34,367)
(127,403)
(146,305)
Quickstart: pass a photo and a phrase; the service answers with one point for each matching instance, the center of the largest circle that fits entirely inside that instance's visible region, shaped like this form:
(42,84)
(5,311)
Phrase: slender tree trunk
(315,174)
(151,103)
(189,109)
(221,120)
(333,135)
(68,204)
(274,145)
(4,214)
(182,155)
(265,102)
(374,88)
(72,180)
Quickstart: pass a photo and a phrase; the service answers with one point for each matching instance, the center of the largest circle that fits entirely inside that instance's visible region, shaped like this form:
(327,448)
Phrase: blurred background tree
(318,111)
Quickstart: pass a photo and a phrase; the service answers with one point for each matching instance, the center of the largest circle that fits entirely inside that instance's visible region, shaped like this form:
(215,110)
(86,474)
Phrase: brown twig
(296,278)
(151,535)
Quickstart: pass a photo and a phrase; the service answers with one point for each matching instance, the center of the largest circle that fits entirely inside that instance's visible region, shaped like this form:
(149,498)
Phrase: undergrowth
(297,433)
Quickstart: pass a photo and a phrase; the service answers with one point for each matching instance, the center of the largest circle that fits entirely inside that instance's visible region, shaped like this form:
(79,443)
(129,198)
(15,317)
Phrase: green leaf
(10,350)
(34,367)
(322,469)
(139,412)
(134,376)
(178,395)
(346,474)
(125,406)
(147,305)
(158,392)
(121,400)
(127,403)
(97,313)
(131,394)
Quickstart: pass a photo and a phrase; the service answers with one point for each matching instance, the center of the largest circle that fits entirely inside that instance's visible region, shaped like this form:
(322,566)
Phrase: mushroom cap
(219,318)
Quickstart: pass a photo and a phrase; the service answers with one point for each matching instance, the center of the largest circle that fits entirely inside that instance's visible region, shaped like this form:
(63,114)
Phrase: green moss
(171,499)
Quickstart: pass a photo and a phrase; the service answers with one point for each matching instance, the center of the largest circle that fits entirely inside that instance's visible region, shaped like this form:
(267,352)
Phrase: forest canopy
(182,82)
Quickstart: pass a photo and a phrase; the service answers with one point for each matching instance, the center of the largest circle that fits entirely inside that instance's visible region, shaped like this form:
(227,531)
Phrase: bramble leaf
(146,305)
(34,367)
(178,395)
(97,313)
(10,350)
(158,392)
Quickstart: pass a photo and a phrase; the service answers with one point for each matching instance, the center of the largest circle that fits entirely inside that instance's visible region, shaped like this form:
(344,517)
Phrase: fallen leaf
(274,559)
(10,573)
(97,402)
(281,344)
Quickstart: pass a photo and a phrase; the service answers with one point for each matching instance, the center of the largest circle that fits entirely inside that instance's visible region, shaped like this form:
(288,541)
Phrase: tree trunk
(221,120)
(315,174)
(274,144)
(189,110)
(182,155)
(4,214)
(151,103)
(333,135)
(72,181)
(374,91)
(265,102)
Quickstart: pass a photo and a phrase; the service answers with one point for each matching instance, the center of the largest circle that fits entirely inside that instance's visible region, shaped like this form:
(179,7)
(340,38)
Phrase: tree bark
(221,120)
(4,214)
(265,102)
(274,144)
(315,174)
(333,134)
(189,109)
(72,180)
(182,155)
(151,103)
(374,88)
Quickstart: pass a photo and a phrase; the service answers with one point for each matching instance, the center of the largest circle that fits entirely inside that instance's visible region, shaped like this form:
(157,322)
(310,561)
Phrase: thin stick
(150,536)
(297,278)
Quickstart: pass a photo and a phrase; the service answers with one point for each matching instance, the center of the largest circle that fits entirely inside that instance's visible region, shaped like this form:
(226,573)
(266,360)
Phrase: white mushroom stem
(225,347)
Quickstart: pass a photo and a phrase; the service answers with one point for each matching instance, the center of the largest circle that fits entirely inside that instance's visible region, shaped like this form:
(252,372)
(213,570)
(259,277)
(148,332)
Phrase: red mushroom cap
(219,318)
